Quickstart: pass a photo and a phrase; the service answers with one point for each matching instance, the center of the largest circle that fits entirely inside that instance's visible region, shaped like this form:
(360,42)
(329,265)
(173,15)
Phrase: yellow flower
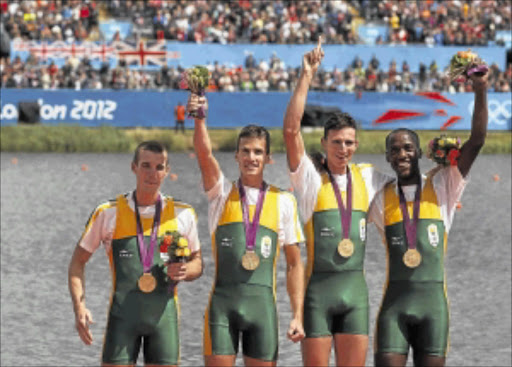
(182,242)
(441,142)
(186,252)
(179,252)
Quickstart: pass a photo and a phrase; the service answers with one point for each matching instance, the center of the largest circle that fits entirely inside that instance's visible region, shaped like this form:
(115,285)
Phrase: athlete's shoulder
(363,166)
(104,208)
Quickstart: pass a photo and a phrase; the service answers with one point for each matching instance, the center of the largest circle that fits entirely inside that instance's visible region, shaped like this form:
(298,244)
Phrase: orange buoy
(459,205)
(14,160)
(496,177)
(173,176)
(85,167)
(290,189)
(191,155)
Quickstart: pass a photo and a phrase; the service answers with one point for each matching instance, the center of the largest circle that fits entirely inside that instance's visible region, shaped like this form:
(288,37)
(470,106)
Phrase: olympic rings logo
(500,112)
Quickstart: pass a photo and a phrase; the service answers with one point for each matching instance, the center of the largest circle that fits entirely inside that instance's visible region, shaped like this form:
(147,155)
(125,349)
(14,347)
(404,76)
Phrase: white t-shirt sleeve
(449,186)
(290,229)
(217,197)
(187,226)
(376,212)
(374,180)
(306,181)
(99,229)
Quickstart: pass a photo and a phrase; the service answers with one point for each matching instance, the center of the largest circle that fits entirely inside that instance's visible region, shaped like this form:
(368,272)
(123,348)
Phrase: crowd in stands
(447,22)
(450,22)
(263,76)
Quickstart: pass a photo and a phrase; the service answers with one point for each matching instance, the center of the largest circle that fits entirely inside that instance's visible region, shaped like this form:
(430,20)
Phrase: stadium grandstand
(70,24)
(83,59)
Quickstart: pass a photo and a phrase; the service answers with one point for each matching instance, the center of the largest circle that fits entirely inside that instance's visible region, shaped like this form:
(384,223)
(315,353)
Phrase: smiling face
(150,169)
(339,146)
(252,158)
(403,154)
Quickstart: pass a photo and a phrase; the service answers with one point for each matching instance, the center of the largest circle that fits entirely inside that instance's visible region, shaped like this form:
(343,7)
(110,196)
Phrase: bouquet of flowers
(196,80)
(465,63)
(444,150)
(176,247)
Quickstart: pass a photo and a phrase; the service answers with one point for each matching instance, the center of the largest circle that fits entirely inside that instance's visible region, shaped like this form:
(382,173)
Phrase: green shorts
(336,303)
(142,323)
(413,314)
(249,310)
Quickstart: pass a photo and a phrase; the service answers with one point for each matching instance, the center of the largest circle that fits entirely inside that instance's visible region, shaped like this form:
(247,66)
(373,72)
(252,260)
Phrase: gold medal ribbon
(251,228)
(146,252)
(410,227)
(345,211)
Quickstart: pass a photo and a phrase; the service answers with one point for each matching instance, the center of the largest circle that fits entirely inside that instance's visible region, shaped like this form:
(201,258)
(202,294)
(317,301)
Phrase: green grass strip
(75,138)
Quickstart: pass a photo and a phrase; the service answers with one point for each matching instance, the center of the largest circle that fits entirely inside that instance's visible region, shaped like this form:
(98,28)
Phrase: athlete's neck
(411,180)
(146,198)
(252,181)
(337,170)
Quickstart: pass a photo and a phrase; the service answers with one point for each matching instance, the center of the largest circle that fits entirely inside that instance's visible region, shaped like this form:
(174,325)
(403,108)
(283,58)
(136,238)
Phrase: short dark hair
(410,132)
(152,146)
(254,131)
(338,121)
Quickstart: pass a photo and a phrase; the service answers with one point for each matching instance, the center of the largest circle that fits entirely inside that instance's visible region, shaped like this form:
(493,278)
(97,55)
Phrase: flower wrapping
(196,79)
(465,63)
(444,150)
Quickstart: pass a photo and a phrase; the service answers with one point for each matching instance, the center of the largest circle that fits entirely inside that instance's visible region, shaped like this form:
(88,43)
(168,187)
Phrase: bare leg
(428,360)
(350,349)
(217,360)
(316,351)
(390,360)
(253,362)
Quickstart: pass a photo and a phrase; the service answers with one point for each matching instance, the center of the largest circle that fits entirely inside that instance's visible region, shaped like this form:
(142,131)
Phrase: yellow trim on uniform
(233,209)
(429,209)
(326,200)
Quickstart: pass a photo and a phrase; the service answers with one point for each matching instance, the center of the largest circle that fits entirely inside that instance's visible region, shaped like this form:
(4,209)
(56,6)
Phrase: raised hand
(312,59)
(479,81)
(195,104)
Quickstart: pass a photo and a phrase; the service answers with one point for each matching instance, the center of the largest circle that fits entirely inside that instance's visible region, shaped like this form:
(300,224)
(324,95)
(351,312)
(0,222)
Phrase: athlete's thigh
(219,361)
(161,347)
(260,334)
(391,332)
(122,343)
(317,319)
(350,350)
(431,335)
(316,351)
(390,360)
(220,327)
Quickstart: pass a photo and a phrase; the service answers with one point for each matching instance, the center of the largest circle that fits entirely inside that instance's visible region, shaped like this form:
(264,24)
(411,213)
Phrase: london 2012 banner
(375,111)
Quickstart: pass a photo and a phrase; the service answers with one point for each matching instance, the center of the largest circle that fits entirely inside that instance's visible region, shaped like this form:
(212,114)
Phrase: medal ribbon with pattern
(251,228)
(412,257)
(146,252)
(345,247)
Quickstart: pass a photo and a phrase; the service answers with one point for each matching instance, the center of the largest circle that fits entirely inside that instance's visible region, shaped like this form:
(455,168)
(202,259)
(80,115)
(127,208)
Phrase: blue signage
(373,111)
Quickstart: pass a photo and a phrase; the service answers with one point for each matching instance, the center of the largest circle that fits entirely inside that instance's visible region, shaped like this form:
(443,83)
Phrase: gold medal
(346,247)
(412,258)
(250,260)
(147,283)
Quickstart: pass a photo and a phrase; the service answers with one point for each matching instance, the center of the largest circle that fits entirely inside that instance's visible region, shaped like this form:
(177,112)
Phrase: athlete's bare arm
(295,287)
(76,284)
(210,169)
(295,110)
(471,148)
